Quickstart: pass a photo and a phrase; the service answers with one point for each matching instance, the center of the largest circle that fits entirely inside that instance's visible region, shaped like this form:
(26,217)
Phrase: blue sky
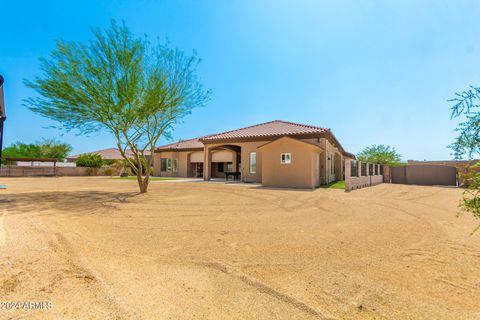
(375,72)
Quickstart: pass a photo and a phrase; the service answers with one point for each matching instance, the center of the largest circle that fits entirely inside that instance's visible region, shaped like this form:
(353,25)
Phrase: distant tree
(89,160)
(380,154)
(120,83)
(51,148)
(466,107)
(46,148)
(22,150)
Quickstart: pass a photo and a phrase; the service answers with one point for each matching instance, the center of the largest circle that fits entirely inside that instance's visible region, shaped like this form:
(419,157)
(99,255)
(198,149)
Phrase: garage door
(426,175)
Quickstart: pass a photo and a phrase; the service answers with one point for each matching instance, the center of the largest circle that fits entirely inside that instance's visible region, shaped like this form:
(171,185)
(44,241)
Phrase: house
(107,154)
(275,154)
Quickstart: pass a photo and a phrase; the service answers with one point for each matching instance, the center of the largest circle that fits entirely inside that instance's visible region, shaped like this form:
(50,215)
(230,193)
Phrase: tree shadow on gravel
(74,202)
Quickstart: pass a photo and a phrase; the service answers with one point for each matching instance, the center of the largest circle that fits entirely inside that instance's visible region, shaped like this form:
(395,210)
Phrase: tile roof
(267,129)
(272,129)
(187,144)
(108,154)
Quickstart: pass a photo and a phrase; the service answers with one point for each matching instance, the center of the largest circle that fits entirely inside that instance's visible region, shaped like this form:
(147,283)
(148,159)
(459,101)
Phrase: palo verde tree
(380,154)
(467,145)
(120,83)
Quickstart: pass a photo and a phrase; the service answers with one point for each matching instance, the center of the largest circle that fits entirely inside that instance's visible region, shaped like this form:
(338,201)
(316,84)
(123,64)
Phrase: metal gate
(426,175)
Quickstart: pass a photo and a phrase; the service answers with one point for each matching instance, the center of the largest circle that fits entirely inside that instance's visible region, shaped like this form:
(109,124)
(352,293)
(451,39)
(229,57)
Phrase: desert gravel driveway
(93,248)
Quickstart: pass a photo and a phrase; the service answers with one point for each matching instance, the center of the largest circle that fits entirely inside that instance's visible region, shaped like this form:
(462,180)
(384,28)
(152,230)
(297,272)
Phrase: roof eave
(158,150)
(263,137)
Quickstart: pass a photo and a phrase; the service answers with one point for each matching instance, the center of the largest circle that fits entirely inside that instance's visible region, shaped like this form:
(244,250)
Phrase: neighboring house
(107,154)
(276,154)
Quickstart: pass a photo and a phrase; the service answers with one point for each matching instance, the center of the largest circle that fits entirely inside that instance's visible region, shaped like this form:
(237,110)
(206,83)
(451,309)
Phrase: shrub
(91,171)
(108,171)
(91,160)
(109,162)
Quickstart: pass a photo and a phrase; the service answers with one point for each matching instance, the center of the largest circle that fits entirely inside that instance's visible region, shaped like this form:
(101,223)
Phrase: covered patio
(222,162)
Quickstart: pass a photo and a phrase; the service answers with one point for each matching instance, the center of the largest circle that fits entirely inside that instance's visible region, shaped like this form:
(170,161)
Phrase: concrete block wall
(359,181)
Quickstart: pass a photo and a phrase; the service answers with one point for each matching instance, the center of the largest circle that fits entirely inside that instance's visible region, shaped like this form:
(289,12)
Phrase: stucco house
(275,154)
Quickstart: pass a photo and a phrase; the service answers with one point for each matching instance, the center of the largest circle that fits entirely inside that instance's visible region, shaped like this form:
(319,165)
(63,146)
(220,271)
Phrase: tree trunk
(144,186)
(142,183)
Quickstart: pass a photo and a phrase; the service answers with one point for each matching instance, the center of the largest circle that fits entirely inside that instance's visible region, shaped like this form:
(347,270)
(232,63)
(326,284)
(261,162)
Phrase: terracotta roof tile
(267,129)
(187,144)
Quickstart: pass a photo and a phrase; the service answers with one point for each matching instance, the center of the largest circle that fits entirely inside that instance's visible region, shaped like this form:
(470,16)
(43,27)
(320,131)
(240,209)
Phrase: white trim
(253,166)
(286,158)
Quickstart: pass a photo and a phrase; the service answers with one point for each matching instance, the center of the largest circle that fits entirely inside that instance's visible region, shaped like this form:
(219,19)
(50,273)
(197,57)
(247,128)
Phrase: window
(220,167)
(376,169)
(175,165)
(165,164)
(370,169)
(286,158)
(381,169)
(229,167)
(253,162)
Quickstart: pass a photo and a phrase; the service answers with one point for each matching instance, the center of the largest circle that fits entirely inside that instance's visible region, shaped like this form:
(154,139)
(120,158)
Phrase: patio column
(234,160)
(348,169)
(207,161)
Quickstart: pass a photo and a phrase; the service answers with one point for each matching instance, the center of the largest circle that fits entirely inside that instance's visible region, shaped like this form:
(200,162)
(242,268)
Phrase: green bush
(91,160)
(109,162)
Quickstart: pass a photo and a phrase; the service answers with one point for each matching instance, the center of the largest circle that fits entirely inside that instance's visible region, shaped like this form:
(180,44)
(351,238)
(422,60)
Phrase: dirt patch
(96,248)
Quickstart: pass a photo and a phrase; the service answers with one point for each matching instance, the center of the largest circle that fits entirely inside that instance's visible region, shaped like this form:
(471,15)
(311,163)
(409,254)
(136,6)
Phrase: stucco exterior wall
(183,163)
(330,157)
(300,173)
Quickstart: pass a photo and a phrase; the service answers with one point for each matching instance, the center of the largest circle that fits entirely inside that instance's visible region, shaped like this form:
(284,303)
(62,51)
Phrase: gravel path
(96,249)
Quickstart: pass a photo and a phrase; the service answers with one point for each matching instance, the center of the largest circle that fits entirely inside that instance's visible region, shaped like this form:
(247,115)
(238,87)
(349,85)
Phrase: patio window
(165,164)
(175,165)
(253,162)
(286,158)
(220,167)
